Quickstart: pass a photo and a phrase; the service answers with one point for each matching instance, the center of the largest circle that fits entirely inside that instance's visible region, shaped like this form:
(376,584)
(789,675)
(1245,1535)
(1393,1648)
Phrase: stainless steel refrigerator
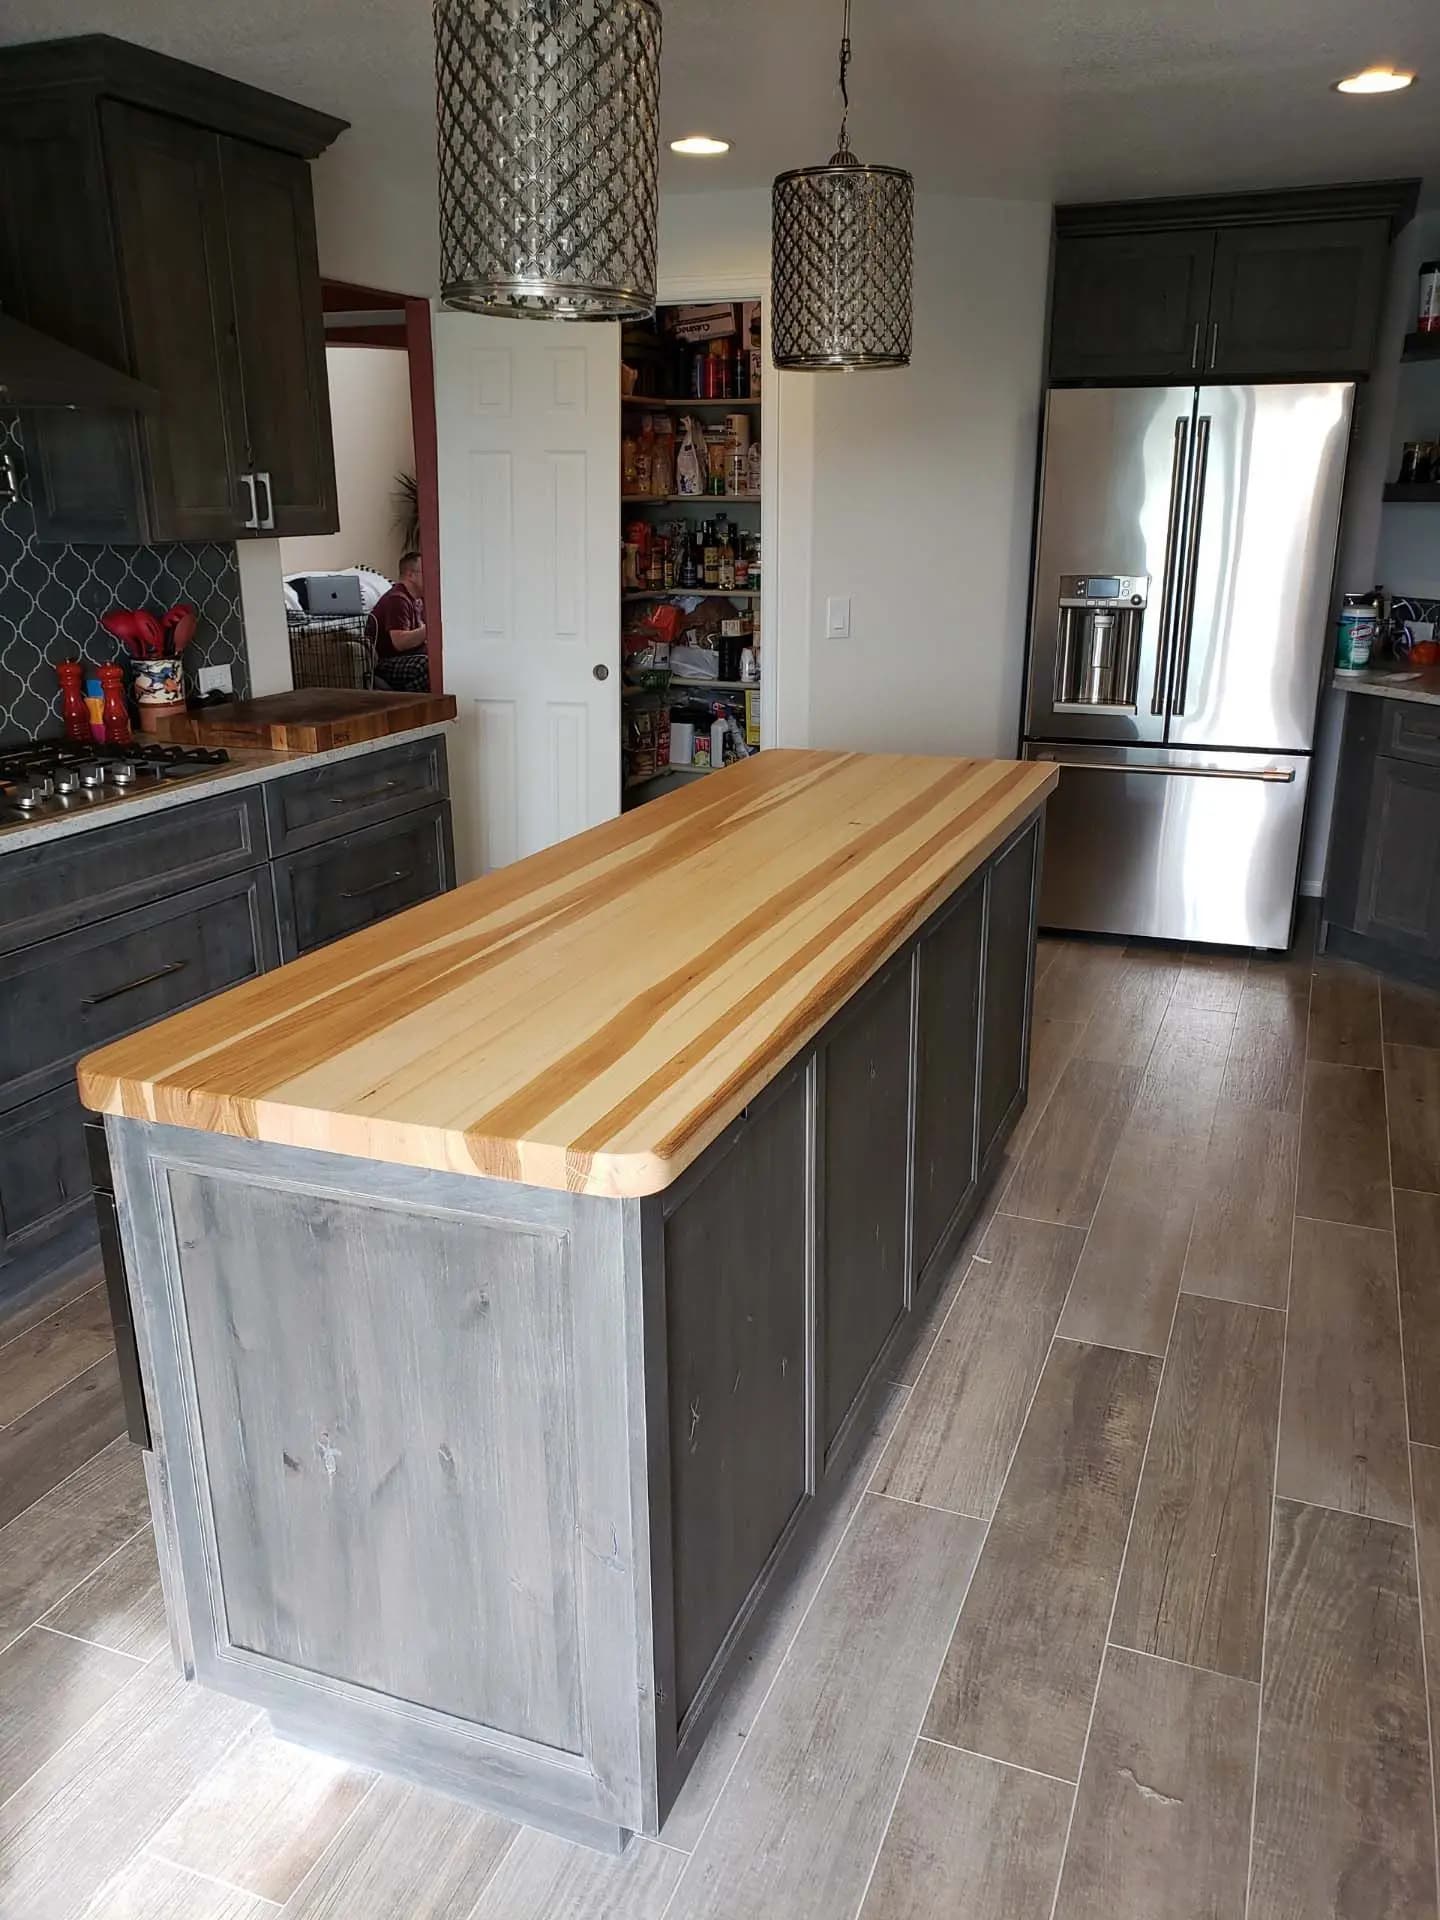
(1183,567)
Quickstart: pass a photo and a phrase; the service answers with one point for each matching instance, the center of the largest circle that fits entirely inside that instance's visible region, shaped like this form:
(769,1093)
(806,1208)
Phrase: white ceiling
(1063,99)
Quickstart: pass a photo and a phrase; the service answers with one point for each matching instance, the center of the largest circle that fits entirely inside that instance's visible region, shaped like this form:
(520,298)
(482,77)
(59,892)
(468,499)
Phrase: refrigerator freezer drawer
(1172,846)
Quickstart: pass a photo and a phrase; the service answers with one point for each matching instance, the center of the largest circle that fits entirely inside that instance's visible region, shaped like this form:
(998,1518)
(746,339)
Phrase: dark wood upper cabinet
(1270,286)
(159,217)
(1130,306)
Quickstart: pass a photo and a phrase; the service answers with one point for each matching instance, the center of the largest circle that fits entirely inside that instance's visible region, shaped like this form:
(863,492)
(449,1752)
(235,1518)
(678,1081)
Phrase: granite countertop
(1394,683)
(247,766)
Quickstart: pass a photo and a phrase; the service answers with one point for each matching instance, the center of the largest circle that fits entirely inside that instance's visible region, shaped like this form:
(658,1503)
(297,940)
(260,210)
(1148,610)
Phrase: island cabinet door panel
(1009,964)
(947,1057)
(864,1076)
(735,1335)
(394,1409)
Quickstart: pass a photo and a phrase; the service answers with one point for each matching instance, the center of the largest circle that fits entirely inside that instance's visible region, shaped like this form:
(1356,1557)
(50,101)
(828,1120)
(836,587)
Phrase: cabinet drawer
(73,882)
(1411,731)
(65,997)
(44,1176)
(305,808)
(350,883)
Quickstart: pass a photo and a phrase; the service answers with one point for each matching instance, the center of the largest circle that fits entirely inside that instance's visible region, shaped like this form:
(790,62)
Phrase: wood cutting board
(307,720)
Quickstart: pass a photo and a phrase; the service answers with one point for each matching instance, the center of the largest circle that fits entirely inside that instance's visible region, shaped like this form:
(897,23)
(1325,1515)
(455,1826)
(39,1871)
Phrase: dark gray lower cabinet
(44,1180)
(1013,882)
(949,966)
(1382,884)
(343,885)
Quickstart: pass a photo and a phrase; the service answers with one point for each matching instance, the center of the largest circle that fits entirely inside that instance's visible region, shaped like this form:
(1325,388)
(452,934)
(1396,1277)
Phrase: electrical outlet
(216,680)
(837,617)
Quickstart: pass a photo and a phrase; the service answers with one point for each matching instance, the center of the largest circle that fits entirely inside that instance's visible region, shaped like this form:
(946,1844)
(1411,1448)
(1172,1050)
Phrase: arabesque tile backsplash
(51,599)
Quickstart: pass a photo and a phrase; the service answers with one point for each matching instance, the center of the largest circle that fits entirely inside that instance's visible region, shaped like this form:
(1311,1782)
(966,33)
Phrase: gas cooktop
(44,779)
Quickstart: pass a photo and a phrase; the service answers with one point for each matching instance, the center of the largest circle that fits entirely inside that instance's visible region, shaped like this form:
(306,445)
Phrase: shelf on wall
(684,499)
(1421,346)
(683,406)
(1415,493)
(690,593)
(683,687)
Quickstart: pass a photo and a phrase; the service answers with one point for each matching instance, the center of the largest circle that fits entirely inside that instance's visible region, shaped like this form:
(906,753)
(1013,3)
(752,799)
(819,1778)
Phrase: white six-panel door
(529,443)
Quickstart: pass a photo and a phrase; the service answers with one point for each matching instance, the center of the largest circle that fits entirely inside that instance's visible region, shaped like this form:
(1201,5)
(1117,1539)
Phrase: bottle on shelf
(742,562)
(725,556)
(712,556)
(687,573)
(645,456)
(753,468)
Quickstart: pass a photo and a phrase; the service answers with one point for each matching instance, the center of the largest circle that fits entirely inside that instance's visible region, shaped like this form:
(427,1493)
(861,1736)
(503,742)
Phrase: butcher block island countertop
(590,1018)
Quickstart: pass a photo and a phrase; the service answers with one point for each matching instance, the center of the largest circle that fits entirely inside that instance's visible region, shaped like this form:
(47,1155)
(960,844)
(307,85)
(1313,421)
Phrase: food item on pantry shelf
(749,666)
(682,743)
(717,456)
(629,478)
(662,477)
(645,456)
(754,486)
(1429,317)
(690,465)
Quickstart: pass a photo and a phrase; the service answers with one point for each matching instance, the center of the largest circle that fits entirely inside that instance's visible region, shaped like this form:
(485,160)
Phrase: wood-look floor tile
(1344,1160)
(1129,1010)
(96,1802)
(1162,1816)
(1344,1825)
(405,1852)
(57,1435)
(1345,1017)
(1342,1420)
(150,1889)
(799,1825)
(1425,1465)
(1417,1249)
(1072,984)
(1410,1015)
(736,1716)
(542,1878)
(1182,1081)
(1062,1171)
(1412,1088)
(121,1605)
(1266,1067)
(1019,1676)
(954,1439)
(1245,1207)
(262,1818)
(1052,1047)
(1211,979)
(44,1302)
(1129,1275)
(1193,1588)
(49,1688)
(969,1836)
(56,1543)
(53,1352)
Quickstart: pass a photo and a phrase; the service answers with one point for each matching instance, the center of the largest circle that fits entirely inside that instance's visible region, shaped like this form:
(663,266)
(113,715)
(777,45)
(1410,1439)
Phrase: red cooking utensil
(152,635)
(181,622)
(121,624)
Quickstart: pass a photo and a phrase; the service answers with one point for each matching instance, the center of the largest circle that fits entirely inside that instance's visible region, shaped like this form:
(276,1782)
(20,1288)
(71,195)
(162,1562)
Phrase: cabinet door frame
(1223,360)
(1071,366)
(1388,775)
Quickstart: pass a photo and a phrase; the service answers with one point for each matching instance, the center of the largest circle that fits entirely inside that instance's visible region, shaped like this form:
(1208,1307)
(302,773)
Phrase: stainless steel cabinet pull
(1272,776)
(1172,561)
(1214,343)
(267,519)
(130,986)
(247,480)
(379,886)
(1185,620)
(1195,347)
(357,799)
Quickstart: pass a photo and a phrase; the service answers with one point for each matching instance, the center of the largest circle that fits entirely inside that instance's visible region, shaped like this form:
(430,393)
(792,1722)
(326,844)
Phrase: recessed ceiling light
(699,143)
(1375,80)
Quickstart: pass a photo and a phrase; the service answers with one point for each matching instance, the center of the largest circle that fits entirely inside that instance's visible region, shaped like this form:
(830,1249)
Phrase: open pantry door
(528,417)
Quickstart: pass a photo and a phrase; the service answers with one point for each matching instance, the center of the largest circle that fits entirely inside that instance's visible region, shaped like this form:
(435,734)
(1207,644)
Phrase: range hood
(36,371)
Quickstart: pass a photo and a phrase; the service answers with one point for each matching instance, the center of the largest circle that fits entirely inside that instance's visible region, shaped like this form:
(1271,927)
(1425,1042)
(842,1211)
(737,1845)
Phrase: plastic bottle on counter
(1355,633)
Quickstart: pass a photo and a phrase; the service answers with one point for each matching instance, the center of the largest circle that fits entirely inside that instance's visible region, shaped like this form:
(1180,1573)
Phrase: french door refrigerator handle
(1271,776)
(1186,616)
(1172,560)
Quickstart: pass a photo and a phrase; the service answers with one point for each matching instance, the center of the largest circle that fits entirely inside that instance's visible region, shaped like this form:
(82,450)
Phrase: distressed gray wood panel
(948,965)
(1020,1673)
(120,1606)
(67,1428)
(401,1413)
(799,1826)
(1008,931)
(1344,1822)
(1162,1816)
(1417,1249)
(954,1440)
(1244,1210)
(545,1878)
(1342,1420)
(735,1328)
(51,1547)
(969,1837)
(866,1075)
(1193,1588)
(49,1687)
(1344,1158)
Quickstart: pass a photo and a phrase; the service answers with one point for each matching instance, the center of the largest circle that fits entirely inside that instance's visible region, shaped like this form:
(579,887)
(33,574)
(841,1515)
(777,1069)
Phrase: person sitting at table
(397,621)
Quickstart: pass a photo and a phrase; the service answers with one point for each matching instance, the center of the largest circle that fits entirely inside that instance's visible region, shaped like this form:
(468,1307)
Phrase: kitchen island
(509,1280)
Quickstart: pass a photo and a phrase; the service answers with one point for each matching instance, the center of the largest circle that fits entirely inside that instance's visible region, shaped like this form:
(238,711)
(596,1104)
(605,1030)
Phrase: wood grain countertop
(591,1017)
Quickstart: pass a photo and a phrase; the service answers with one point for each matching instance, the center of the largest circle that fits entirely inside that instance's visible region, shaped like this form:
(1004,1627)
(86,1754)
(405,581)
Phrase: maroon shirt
(397,610)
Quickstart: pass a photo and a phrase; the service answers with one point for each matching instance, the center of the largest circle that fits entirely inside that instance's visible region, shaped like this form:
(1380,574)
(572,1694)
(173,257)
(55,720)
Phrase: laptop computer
(335,594)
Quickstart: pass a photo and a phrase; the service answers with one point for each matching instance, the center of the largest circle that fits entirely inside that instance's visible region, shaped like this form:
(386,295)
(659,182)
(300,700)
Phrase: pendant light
(548,126)
(841,258)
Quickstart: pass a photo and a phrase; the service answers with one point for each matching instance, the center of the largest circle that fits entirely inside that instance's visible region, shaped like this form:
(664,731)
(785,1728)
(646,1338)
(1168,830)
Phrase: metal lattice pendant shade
(548,119)
(841,266)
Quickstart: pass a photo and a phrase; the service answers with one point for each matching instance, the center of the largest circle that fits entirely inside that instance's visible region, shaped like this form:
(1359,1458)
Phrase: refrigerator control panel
(1104,590)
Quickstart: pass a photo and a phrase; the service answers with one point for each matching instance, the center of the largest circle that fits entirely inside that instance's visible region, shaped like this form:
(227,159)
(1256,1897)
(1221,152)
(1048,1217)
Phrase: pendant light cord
(844,77)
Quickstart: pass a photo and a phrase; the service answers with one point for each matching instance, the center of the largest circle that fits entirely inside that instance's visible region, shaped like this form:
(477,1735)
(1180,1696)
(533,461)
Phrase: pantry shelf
(1414,492)
(684,406)
(695,686)
(683,499)
(690,593)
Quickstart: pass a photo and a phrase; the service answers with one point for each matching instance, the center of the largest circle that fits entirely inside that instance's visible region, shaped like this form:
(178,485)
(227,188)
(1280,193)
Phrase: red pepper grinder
(115,715)
(73,711)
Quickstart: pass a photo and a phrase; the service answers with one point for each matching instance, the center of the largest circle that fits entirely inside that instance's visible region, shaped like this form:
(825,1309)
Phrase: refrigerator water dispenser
(1097,660)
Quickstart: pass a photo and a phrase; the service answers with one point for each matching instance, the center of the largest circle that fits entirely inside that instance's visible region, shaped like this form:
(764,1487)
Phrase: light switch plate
(837,617)
(216,680)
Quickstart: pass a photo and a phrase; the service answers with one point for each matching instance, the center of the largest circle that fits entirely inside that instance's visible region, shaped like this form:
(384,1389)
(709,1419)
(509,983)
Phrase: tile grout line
(89,1574)
(335,1839)
(147,1852)
(39,1626)
(17,1517)
(925,1506)
(991,1759)
(1190,1666)
(1275,1469)
(45,1320)
(1114,1603)
(77,1733)
(36,1405)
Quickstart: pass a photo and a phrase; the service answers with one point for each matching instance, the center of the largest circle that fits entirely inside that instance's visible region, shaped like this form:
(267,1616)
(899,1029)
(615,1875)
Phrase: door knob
(602,672)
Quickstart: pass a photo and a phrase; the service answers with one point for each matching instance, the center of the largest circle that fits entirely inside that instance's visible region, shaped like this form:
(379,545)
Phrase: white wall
(370,411)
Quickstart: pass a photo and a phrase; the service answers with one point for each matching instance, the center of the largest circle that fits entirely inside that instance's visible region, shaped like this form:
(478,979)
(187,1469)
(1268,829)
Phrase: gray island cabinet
(510,1280)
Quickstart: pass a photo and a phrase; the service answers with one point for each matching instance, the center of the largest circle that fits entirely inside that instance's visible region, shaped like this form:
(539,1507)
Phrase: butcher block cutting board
(308,720)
